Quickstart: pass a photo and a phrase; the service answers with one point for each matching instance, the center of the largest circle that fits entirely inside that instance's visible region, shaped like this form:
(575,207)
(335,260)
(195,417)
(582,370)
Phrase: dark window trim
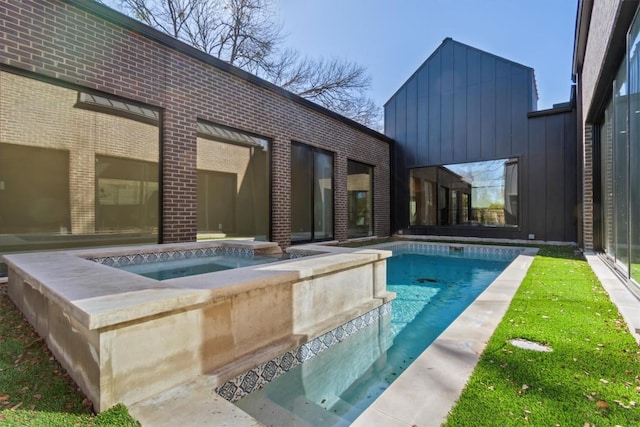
(315,149)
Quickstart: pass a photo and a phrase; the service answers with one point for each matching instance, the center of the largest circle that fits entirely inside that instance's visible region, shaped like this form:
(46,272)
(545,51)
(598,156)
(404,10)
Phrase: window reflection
(73,174)
(359,199)
(233,184)
(480,193)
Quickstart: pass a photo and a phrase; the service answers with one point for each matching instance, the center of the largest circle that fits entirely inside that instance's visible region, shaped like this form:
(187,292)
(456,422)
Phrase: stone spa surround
(124,337)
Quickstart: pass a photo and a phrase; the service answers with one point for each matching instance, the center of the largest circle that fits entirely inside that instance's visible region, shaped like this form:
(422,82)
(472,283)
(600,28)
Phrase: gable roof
(449,40)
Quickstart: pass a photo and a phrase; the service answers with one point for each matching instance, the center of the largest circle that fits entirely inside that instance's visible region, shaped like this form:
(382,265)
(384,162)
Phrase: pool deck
(425,393)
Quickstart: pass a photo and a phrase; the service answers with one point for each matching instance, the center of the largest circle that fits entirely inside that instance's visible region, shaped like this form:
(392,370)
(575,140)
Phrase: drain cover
(530,345)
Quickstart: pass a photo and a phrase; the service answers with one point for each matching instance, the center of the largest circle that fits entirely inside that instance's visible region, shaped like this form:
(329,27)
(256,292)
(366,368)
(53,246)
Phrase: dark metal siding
(466,105)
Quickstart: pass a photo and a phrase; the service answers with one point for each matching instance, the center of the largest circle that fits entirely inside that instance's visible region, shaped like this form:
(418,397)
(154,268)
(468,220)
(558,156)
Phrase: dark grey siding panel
(536,193)
(519,109)
(555,194)
(435,95)
(571,173)
(474,105)
(488,107)
(423,116)
(446,104)
(552,194)
(412,120)
(503,109)
(460,104)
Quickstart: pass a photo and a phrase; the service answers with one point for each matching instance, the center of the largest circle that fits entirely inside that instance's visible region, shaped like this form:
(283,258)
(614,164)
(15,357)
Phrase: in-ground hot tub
(124,337)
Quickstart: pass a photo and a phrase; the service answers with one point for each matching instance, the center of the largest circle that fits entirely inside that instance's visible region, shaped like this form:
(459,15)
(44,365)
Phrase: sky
(392,38)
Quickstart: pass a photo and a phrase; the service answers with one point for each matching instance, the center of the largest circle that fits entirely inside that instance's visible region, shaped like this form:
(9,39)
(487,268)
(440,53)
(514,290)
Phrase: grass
(591,378)
(34,389)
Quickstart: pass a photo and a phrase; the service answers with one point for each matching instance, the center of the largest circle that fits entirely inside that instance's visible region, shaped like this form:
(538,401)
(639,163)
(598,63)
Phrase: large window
(233,184)
(359,199)
(620,157)
(126,195)
(468,194)
(76,169)
(311,193)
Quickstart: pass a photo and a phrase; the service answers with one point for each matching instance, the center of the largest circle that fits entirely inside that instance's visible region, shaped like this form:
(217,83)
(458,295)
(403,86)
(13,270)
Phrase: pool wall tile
(454,250)
(153,257)
(259,376)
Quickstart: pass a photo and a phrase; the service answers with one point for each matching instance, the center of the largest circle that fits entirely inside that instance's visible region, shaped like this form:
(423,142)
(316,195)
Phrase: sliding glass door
(311,193)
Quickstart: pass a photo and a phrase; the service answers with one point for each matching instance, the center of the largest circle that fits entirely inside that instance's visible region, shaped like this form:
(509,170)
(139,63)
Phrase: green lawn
(591,378)
(34,389)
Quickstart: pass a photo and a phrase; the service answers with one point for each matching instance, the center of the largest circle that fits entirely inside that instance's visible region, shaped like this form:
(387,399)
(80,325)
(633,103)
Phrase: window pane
(301,195)
(620,152)
(359,199)
(323,196)
(233,187)
(480,193)
(92,175)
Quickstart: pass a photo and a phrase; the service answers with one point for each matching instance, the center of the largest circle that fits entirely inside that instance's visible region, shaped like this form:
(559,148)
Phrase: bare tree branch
(246,33)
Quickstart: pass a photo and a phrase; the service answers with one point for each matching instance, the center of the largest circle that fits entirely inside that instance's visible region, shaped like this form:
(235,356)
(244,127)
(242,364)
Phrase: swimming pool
(191,266)
(333,388)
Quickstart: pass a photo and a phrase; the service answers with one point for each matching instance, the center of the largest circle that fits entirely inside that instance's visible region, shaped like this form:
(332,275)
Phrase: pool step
(191,404)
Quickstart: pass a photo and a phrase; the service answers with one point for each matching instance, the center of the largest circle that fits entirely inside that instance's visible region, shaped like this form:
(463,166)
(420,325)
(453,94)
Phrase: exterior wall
(86,45)
(595,64)
(465,105)
(549,191)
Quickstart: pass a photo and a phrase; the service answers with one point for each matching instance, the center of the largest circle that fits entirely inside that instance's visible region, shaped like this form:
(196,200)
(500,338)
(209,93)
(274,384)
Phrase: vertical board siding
(554,156)
(488,119)
(412,120)
(435,95)
(472,106)
(459,121)
(446,104)
(423,115)
(536,156)
(503,110)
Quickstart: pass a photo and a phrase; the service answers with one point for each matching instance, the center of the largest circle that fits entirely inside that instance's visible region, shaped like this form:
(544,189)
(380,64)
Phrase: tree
(245,33)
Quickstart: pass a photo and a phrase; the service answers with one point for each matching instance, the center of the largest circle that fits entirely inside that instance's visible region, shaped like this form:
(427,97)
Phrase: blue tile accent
(152,257)
(256,378)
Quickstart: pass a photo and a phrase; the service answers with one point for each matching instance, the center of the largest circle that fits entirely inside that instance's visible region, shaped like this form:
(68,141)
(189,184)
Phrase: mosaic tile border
(153,257)
(457,250)
(258,377)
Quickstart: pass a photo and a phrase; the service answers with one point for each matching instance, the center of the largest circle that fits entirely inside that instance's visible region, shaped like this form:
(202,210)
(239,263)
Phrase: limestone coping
(99,296)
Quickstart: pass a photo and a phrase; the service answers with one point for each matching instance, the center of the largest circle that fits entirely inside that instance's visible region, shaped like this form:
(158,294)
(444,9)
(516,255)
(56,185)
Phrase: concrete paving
(627,303)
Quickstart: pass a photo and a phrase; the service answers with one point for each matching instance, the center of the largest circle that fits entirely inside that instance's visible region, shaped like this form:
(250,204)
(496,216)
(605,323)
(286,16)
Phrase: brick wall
(587,188)
(58,40)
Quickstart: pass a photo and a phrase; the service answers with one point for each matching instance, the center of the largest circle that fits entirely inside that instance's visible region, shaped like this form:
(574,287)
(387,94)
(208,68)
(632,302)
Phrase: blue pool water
(337,385)
(188,267)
